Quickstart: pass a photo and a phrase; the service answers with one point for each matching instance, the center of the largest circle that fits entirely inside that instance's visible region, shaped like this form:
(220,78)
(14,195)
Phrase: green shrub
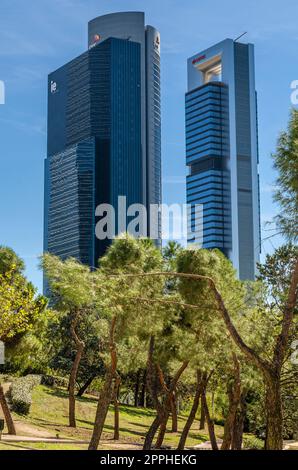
(54,381)
(251,442)
(20,393)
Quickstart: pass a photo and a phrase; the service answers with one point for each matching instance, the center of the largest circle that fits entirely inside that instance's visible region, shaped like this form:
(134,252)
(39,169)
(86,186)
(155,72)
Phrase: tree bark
(151,433)
(237,438)
(210,423)
(274,428)
(106,394)
(116,409)
(143,391)
(80,345)
(7,414)
(163,410)
(174,413)
(234,394)
(193,412)
(162,429)
(137,389)
(202,419)
(86,385)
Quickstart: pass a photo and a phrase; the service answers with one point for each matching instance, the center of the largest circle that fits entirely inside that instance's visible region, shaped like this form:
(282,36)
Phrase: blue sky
(38,36)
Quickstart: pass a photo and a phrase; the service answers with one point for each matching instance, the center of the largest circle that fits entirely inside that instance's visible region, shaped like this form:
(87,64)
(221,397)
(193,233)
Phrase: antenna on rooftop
(241,36)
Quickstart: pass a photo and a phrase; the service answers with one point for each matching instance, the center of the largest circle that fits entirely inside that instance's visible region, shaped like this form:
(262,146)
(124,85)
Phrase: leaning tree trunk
(274,415)
(86,385)
(80,345)
(137,389)
(174,413)
(106,394)
(6,412)
(163,410)
(169,392)
(210,423)
(237,438)
(202,418)
(142,402)
(116,409)
(234,394)
(162,429)
(151,433)
(193,412)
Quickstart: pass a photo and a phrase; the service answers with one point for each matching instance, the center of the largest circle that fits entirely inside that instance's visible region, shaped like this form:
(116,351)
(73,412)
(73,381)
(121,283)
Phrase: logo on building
(2,92)
(198,59)
(96,38)
(54,88)
(157,43)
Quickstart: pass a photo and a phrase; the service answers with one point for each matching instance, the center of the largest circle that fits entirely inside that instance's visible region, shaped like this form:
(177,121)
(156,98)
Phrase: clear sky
(38,36)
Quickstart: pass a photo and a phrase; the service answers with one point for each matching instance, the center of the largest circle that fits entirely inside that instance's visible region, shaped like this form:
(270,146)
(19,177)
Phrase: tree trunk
(193,412)
(74,371)
(174,413)
(6,412)
(86,385)
(210,423)
(202,418)
(234,394)
(162,429)
(274,418)
(143,391)
(154,373)
(116,410)
(237,438)
(151,433)
(137,389)
(106,394)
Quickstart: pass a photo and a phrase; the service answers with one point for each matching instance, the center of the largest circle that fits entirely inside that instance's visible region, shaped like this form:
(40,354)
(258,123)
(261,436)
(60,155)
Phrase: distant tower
(222,151)
(104,133)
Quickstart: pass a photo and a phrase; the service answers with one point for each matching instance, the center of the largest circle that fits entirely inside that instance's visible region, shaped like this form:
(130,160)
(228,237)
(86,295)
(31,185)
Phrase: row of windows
(200,109)
(206,117)
(196,156)
(203,126)
(206,176)
(211,88)
(194,136)
(212,97)
(212,142)
(199,192)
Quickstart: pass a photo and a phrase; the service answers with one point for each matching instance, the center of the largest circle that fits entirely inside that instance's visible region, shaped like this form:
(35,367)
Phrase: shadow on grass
(61,393)
(122,430)
(18,446)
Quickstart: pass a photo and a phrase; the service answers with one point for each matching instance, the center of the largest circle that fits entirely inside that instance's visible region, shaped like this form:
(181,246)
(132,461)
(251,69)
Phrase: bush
(20,393)
(54,381)
(253,443)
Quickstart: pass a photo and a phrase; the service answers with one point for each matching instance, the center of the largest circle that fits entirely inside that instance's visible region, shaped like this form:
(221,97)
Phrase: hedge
(20,393)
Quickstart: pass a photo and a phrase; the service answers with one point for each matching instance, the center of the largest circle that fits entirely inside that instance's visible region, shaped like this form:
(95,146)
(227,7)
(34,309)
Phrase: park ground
(48,419)
(46,427)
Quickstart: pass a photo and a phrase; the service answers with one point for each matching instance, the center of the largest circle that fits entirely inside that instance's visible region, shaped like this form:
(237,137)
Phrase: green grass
(49,411)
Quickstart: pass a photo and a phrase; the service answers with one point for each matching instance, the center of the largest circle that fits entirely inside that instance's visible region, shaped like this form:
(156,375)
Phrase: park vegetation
(173,329)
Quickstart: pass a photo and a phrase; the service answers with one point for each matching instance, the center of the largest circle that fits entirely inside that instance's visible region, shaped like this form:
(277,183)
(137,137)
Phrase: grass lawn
(49,413)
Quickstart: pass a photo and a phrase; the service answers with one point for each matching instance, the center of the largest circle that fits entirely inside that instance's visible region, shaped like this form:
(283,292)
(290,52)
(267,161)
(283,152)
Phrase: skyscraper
(222,152)
(104,134)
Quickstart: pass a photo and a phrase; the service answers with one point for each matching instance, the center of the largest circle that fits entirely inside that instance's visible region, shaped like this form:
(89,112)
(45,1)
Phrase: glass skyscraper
(222,153)
(104,134)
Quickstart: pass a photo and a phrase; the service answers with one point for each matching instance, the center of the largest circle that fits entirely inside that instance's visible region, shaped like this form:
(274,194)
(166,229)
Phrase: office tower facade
(104,137)
(222,153)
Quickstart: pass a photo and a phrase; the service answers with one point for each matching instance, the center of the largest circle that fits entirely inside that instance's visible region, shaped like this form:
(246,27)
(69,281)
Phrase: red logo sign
(198,59)
(96,38)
